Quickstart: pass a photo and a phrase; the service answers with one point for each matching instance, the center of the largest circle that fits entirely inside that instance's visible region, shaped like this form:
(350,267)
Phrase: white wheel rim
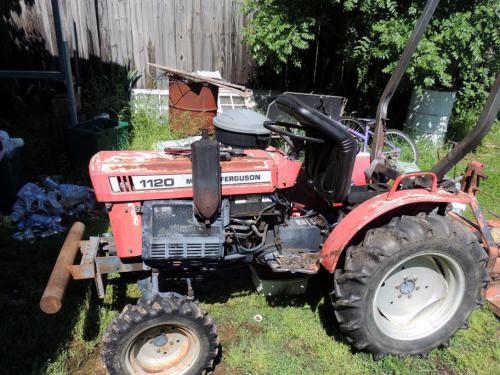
(166,349)
(418,296)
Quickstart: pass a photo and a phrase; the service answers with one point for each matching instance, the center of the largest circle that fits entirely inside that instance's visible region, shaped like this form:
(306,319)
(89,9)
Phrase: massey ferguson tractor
(407,270)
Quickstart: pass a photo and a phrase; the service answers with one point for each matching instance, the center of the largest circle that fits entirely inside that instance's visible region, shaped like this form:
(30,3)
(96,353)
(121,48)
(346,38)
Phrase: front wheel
(410,285)
(165,336)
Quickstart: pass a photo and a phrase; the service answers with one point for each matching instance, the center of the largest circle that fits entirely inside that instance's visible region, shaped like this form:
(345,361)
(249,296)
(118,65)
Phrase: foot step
(307,263)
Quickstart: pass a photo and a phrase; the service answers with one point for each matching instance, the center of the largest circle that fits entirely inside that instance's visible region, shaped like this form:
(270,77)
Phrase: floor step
(307,263)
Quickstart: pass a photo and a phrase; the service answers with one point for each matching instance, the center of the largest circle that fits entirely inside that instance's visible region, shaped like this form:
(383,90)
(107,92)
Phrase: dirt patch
(227,333)
(90,364)
(442,368)
(221,369)
(253,328)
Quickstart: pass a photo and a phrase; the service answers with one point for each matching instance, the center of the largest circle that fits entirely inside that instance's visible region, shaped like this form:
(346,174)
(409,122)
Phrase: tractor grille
(170,231)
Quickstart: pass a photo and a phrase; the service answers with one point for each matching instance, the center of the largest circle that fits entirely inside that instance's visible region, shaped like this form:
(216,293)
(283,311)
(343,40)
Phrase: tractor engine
(205,206)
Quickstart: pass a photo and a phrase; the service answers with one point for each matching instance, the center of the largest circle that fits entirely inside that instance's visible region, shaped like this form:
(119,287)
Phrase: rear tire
(410,285)
(165,336)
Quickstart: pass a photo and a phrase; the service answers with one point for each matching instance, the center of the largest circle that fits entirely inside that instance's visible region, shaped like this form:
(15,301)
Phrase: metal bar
(392,85)
(65,63)
(110,264)
(76,56)
(51,301)
(486,235)
(486,120)
(31,74)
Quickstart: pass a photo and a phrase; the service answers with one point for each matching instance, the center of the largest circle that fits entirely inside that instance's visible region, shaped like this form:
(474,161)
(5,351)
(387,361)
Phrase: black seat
(328,166)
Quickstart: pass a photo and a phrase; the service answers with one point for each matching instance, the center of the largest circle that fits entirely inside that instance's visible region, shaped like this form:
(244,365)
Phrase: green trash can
(89,137)
(11,175)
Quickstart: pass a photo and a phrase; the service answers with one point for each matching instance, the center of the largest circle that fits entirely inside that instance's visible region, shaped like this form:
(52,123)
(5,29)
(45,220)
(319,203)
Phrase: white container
(429,114)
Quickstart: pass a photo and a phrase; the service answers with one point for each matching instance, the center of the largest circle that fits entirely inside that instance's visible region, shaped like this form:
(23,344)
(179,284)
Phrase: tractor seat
(328,166)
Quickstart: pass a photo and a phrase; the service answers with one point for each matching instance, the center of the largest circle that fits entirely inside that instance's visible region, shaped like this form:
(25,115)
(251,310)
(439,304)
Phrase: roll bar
(392,85)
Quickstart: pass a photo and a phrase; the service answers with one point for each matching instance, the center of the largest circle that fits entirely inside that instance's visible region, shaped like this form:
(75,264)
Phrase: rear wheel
(410,285)
(166,336)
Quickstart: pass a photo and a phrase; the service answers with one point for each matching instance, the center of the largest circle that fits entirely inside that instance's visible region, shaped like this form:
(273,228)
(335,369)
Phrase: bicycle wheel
(398,146)
(357,131)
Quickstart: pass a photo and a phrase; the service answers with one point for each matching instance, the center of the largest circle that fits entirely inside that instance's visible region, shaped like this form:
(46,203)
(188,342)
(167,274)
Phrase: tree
(458,52)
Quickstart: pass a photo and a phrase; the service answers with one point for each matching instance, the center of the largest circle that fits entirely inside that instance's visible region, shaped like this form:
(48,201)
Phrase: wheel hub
(165,350)
(407,286)
(418,296)
(160,340)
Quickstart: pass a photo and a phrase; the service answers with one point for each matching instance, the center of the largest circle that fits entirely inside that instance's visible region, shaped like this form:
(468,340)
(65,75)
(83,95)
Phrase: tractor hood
(119,176)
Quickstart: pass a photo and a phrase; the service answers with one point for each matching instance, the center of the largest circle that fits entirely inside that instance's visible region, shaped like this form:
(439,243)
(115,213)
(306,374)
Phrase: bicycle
(397,146)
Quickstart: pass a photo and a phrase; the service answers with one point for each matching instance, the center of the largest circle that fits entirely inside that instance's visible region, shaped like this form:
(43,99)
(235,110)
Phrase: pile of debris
(40,211)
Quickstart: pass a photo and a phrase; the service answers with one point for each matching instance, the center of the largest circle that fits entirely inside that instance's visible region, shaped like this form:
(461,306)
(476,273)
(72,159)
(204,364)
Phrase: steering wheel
(277,127)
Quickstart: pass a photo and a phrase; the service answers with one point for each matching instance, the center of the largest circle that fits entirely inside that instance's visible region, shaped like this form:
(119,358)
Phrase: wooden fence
(184,34)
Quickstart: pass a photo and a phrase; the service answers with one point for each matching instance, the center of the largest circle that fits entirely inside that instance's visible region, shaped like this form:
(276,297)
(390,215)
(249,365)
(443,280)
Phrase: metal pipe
(51,301)
(31,74)
(392,85)
(64,62)
(76,56)
(472,140)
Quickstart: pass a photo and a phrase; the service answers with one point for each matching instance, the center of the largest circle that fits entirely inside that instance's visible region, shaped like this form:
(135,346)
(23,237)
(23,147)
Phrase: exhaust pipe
(51,301)
(471,141)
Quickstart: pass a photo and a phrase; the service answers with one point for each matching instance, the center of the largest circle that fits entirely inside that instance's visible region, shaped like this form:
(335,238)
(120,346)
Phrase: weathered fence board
(184,34)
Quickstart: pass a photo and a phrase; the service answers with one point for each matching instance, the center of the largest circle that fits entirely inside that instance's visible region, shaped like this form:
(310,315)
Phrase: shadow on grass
(33,339)
(220,286)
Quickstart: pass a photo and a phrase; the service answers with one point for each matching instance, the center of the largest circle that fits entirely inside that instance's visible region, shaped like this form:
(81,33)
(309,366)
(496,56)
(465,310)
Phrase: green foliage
(458,51)
(277,37)
(109,94)
(357,43)
(148,129)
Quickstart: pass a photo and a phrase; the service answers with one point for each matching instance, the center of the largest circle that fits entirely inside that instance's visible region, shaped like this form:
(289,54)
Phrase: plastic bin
(11,175)
(89,137)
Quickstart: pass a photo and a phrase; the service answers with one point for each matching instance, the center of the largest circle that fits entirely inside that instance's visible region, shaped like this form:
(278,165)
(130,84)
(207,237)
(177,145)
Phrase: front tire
(165,336)
(410,285)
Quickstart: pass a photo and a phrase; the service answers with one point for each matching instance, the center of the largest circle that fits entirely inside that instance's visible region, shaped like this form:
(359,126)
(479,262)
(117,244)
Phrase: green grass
(296,335)
(488,153)
(147,130)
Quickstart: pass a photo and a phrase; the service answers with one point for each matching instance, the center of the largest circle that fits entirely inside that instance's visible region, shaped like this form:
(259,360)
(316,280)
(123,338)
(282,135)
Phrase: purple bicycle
(398,146)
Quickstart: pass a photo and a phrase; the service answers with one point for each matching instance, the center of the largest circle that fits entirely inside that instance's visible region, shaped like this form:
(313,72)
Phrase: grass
(147,130)
(296,335)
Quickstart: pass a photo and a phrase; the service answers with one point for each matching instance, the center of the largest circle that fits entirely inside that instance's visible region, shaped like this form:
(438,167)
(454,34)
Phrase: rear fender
(379,210)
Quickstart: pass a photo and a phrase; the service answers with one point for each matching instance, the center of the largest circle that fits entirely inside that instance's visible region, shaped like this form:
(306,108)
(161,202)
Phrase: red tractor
(407,270)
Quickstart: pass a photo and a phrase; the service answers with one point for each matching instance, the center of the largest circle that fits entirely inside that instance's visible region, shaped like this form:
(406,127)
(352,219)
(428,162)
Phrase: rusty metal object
(51,301)
(472,177)
(486,235)
(93,266)
(307,263)
(492,294)
(192,106)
